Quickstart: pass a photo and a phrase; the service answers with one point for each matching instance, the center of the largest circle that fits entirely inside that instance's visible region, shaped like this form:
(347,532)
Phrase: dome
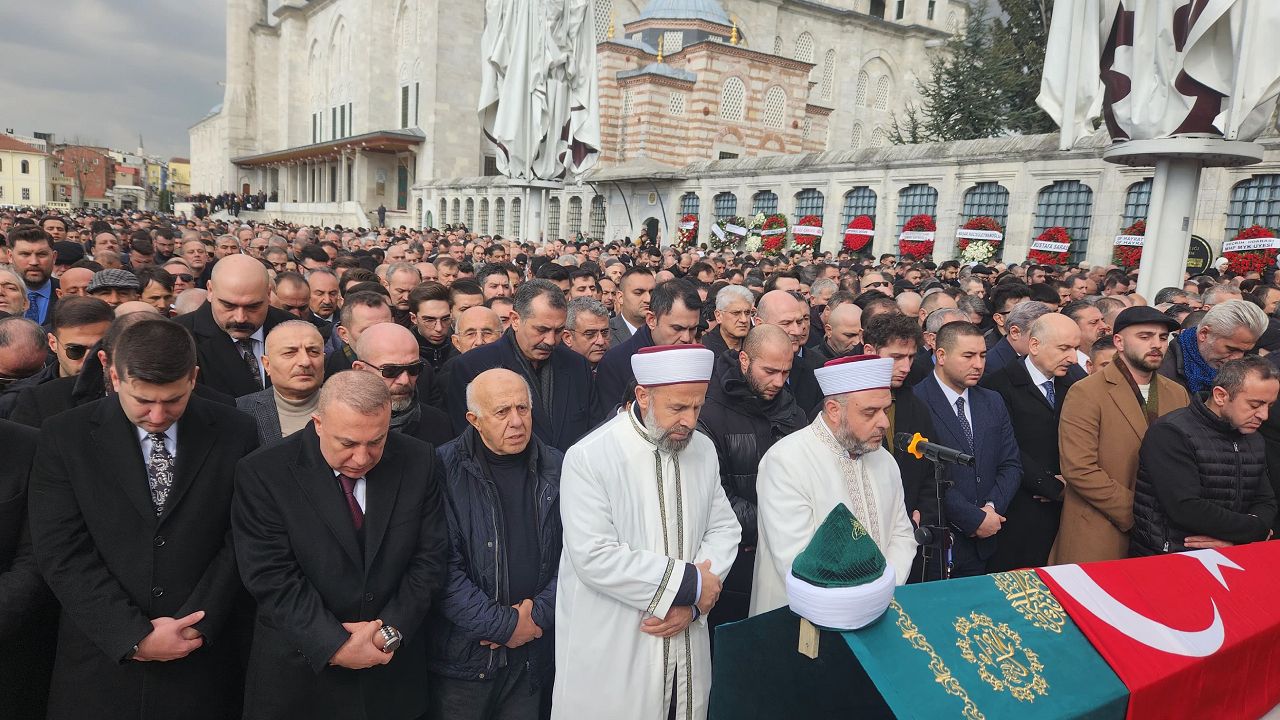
(708,10)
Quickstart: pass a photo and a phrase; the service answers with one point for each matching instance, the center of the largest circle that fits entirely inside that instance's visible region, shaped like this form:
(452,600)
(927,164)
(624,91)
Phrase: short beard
(1141,362)
(661,436)
(399,405)
(851,444)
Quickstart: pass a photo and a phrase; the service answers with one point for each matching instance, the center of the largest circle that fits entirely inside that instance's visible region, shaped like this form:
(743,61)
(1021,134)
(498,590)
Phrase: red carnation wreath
(917,248)
(688,231)
(988,224)
(1245,261)
(1040,256)
(802,233)
(772,242)
(855,241)
(1130,256)
(979,249)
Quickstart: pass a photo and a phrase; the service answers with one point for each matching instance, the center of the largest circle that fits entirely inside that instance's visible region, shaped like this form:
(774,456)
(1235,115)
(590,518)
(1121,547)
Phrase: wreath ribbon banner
(1129,240)
(715,230)
(985,235)
(1053,247)
(860,231)
(916,236)
(735,229)
(1272,243)
(688,225)
(775,231)
(807,230)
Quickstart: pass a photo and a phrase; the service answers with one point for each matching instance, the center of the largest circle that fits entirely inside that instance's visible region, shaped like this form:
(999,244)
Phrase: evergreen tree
(911,130)
(1019,38)
(962,99)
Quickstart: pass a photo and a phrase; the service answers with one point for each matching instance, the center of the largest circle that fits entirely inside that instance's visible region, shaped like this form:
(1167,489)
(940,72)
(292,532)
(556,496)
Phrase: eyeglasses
(435,321)
(875,284)
(74,351)
(184,277)
(391,372)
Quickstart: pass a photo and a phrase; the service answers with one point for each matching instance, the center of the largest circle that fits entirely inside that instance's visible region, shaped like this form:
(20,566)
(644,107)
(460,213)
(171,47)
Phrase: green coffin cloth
(996,646)
(757,674)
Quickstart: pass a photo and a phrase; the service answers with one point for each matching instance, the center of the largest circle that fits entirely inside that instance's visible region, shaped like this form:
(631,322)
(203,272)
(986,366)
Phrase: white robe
(802,478)
(626,542)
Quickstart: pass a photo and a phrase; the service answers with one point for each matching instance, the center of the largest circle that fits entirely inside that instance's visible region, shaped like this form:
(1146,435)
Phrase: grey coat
(261,406)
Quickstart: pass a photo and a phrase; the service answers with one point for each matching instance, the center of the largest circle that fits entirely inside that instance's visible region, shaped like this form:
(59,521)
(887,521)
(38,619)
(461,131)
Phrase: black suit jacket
(998,356)
(114,565)
(919,486)
(573,400)
(614,375)
(27,610)
(1029,532)
(309,571)
(921,366)
(221,366)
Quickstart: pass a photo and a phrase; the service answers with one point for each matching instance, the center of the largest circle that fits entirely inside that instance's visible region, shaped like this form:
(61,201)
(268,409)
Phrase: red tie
(349,490)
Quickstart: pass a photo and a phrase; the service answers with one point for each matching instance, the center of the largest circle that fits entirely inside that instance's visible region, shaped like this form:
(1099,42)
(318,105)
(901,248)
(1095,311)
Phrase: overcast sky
(103,72)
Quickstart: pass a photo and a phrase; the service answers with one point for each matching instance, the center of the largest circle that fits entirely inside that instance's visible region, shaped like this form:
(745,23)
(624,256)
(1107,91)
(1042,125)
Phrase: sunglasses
(391,372)
(74,351)
(876,284)
(184,277)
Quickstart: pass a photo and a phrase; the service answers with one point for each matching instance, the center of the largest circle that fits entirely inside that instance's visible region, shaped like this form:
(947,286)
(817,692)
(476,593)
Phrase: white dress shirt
(358,492)
(1037,378)
(951,396)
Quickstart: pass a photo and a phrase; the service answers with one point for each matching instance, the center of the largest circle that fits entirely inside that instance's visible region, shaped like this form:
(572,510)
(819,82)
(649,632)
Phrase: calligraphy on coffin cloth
(1002,661)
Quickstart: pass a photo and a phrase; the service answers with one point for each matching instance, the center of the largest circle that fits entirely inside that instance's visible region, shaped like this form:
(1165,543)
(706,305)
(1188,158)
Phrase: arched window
(726,205)
(732,99)
(777,45)
(1137,202)
(553,219)
(858,201)
(456,216)
(515,217)
(775,107)
(828,74)
(809,202)
(855,137)
(1066,203)
(1255,201)
(986,199)
(914,200)
(765,202)
(597,220)
(689,203)
(804,47)
(575,216)
(25,166)
(484,216)
(444,211)
(883,86)
(500,216)
(470,218)
(879,137)
(864,82)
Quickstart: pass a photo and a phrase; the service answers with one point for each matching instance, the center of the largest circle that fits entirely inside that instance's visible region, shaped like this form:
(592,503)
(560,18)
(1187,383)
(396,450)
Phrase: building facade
(330,129)
(27,176)
(91,171)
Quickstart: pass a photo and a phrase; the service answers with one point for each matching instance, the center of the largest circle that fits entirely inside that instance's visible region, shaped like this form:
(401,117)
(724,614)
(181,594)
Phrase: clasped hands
(170,639)
(526,629)
(363,649)
(680,616)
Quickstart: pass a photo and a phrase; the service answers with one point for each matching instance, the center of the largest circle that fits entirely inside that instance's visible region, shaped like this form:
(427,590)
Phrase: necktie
(33,307)
(246,352)
(159,471)
(349,490)
(964,422)
(1048,393)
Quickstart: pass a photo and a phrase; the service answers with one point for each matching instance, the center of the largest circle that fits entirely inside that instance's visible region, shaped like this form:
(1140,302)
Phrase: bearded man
(648,539)
(840,459)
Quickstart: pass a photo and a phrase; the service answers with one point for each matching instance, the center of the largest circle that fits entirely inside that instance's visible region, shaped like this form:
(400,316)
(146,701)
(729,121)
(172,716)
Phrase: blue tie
(1048,393)
(964,422)
(33,307)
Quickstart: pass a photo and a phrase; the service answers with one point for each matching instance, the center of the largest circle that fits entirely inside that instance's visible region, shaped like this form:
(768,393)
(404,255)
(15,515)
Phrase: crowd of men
(280,471)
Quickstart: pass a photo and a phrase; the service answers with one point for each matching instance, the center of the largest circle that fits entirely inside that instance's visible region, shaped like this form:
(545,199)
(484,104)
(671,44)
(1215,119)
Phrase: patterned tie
(1048,393)
(349,489)
(159,471)
(33,307)
(964,422)
(246,352)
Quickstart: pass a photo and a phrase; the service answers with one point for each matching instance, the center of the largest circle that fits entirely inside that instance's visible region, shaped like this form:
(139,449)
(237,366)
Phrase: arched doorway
(651,229)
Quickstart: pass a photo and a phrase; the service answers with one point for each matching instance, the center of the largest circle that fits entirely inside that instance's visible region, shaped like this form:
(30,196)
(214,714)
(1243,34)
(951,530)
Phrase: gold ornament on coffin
(1032,599)
(1002,661)
(941,673)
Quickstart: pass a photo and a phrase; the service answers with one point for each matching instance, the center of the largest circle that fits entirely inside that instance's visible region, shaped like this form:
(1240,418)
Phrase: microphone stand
(937,539)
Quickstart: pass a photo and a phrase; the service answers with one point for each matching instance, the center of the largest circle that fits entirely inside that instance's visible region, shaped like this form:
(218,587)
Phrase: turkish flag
(1192,635)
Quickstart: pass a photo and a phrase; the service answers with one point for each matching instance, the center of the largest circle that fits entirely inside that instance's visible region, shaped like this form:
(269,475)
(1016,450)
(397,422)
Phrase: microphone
(921,448)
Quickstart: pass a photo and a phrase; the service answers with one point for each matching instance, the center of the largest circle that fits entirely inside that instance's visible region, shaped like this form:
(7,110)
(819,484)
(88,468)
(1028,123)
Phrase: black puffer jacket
(743,427)
(475,604)
(1197,475)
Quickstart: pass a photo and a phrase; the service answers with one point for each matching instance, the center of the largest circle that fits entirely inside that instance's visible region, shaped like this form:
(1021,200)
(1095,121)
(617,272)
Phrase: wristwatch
(391,639)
